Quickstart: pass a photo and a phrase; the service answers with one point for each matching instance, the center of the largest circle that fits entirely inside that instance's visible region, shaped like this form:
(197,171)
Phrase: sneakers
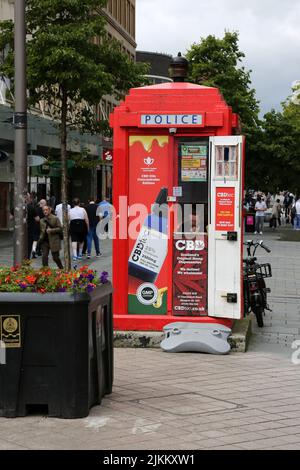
(79,257)
(88,256)
(255,233)
(260,233)
(74,258)
(98,255)
(33,255)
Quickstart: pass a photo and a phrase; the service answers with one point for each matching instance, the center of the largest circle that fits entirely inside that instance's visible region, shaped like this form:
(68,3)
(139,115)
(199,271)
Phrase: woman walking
(79,227)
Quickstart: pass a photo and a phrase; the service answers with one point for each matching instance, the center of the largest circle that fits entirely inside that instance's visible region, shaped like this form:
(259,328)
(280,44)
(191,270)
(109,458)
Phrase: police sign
(172,120)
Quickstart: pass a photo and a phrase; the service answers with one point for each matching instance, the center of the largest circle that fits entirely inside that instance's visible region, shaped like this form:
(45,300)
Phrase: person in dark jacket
(91,210)
(51,230)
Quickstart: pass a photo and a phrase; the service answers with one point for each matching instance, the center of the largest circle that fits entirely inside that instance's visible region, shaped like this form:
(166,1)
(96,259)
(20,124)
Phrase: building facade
(43,137)
(158,66)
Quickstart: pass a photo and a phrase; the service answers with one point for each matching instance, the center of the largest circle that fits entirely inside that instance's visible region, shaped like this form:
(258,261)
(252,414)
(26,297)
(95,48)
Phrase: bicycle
(255,290)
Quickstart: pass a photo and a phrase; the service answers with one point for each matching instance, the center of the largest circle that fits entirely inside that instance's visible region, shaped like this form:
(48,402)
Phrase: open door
(225,234)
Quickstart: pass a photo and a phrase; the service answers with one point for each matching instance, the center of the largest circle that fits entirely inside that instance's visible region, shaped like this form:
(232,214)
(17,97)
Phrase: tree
(280,150)
(71,65)
(217,63)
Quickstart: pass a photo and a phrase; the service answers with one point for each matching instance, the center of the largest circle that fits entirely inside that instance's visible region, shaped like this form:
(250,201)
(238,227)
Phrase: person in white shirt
(59,212)
(79,227)
(260,208)
(297,215)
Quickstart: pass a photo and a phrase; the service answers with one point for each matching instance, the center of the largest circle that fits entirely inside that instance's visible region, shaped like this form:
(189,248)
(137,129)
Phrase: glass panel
(226,161)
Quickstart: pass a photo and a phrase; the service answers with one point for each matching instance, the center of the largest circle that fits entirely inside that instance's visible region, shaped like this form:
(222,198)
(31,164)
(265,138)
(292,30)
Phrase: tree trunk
(64,179)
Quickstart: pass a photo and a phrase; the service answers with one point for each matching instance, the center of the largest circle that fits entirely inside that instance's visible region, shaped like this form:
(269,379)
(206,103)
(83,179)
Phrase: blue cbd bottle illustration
(151,247)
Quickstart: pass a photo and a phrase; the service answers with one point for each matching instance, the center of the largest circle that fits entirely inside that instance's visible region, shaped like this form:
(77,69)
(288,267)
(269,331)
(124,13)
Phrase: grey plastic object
(194,337)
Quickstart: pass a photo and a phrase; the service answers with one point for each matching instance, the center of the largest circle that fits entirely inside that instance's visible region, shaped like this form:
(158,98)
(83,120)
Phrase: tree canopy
(71,65)
(69,55)
(217,62)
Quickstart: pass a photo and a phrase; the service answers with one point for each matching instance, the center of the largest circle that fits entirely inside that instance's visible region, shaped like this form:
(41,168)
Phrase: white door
(225,230)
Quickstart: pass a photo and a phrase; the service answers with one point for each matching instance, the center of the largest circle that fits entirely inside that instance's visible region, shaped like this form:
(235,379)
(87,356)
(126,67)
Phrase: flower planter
(59,351)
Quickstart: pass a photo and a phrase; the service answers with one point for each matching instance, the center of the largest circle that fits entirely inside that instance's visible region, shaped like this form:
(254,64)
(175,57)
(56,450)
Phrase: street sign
(107,155)
(35,160)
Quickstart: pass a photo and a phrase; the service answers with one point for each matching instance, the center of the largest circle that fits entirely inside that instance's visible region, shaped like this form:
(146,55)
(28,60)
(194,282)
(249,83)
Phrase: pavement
(242,401)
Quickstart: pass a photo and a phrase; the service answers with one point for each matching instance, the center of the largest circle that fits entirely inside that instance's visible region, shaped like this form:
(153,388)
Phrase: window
(226,161)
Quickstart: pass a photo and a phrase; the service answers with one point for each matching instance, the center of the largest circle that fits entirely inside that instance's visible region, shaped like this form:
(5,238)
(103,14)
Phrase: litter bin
(249,222)
(58,352)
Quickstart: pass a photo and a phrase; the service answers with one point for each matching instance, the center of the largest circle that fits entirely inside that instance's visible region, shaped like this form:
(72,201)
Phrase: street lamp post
(20,124)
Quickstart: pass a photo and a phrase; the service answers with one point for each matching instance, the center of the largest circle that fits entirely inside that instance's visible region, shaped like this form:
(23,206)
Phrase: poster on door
(225,206)
(193,163)
(190,275)
(148,242)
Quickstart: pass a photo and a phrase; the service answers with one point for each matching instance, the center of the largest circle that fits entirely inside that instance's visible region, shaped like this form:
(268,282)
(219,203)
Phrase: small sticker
(10,327)
(147,294)
(177,191)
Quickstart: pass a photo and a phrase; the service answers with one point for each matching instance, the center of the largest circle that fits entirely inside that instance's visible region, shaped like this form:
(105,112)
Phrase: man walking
(51,230)
(260,208)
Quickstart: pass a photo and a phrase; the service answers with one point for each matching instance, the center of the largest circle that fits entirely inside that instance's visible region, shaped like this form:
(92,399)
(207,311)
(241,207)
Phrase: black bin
(60,354)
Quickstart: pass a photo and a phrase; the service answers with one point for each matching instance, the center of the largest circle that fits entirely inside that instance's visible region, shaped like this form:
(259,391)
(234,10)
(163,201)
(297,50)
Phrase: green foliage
(280,152)
(217,63)
(68,53)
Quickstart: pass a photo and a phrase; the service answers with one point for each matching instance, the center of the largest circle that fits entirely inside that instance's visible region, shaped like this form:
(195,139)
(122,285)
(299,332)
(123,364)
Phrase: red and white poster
(148,245)
(190,275)
(225,206)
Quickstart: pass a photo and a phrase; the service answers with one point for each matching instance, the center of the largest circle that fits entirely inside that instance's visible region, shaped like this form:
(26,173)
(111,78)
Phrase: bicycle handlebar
(265,247)
(250,243)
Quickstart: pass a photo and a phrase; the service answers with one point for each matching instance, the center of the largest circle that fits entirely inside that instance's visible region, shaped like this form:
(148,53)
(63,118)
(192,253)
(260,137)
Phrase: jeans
(297,222)
(259,223)
(92,235)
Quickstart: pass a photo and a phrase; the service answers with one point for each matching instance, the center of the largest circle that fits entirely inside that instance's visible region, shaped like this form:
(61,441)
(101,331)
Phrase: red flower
(30,279)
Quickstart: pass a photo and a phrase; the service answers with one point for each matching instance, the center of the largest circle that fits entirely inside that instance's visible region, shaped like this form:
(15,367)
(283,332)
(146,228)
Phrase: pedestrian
(105,212)
(59,212)
(79,227)
(276,214)
(91,210)
(32,227)
(36,250)
(50,237)
(297,214)
(260,208)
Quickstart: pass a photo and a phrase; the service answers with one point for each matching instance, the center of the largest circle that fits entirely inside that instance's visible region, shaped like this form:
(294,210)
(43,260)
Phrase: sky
(269,36)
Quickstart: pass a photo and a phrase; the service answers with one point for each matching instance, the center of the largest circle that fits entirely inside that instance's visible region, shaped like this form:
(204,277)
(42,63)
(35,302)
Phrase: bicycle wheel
(258,312)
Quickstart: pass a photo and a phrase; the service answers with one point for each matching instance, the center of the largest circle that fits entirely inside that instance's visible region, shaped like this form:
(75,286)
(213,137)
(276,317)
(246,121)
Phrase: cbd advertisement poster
(190,275)
(225,203)
(147,267)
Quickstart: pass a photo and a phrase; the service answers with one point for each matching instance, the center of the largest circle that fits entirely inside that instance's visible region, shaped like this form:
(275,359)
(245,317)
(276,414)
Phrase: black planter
(59,352)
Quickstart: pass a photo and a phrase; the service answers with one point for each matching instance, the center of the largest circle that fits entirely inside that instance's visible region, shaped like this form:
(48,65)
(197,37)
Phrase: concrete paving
(193,401)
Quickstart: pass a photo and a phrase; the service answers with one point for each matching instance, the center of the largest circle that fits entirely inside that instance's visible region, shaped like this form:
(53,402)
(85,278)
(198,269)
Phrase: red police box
(178,181)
